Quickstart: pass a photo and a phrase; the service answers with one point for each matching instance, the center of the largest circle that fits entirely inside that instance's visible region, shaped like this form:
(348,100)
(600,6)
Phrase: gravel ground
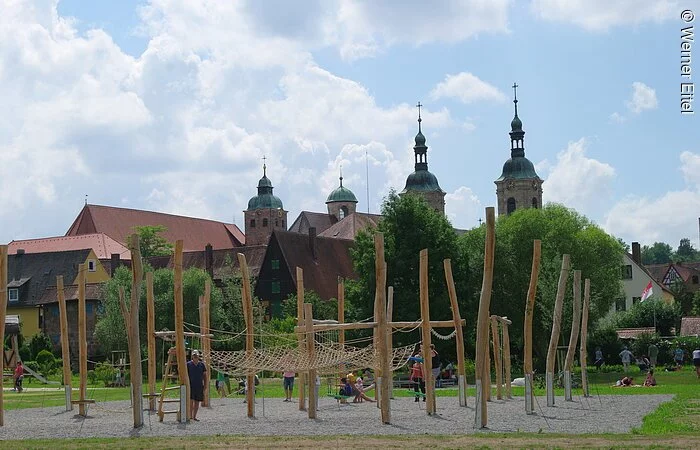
(606,414)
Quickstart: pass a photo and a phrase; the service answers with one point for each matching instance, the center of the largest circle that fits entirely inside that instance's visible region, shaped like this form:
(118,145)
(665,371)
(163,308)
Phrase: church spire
(420,149)
(517,135)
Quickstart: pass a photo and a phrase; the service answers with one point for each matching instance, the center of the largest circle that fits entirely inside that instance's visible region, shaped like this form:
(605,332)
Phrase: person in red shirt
(417,376)
(19,376)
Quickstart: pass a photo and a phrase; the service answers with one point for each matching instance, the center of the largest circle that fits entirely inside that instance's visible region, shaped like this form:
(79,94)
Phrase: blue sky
(170,105)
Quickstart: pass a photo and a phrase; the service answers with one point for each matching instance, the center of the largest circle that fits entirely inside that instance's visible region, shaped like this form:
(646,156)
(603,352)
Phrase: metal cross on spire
(515,97)
(419,119)
(264,158)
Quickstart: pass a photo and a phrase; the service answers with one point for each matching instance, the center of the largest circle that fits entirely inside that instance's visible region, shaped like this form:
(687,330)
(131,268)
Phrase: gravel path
(228,416)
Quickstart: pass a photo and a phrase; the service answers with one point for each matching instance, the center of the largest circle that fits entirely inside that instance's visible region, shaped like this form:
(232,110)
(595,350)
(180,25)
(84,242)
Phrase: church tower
(341,202)
(518,186)
(421,181)
(265,214)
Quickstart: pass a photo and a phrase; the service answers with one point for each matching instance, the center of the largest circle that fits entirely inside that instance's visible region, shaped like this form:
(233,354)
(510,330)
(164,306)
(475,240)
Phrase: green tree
(685,252)
(561,230)
(152,243)
(643,314)
(322,309)
(409,225)
(659,253)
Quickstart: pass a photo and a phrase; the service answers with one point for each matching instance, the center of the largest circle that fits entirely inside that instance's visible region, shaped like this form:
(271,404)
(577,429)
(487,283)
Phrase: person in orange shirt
(417,376)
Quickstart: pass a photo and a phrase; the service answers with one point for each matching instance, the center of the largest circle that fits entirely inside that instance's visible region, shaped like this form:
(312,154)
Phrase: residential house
(635,278)
(687,274)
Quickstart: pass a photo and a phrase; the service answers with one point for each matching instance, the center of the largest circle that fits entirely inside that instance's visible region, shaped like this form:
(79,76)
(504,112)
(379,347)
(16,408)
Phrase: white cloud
(467,88)
(577,181)
(617,118)
(463,208)
(643,98)
(597,15)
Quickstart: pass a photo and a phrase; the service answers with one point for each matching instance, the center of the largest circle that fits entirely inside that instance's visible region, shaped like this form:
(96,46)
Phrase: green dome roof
(518,167)
(341,194)
(516,124)
(265,199)
(423,181)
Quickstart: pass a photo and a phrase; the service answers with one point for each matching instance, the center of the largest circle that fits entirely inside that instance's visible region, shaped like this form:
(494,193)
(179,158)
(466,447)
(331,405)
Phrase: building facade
(264,215)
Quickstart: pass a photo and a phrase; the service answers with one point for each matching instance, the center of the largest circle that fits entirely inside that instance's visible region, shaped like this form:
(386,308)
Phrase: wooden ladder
(169,372)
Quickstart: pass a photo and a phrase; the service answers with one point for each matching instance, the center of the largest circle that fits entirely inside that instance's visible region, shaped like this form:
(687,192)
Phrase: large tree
(659,253)
(409,225)
(152,243)
(561,231)
(685,252)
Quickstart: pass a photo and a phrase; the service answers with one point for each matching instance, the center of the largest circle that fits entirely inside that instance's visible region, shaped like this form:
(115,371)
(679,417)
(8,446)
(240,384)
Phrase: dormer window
(13,294)
(91,265)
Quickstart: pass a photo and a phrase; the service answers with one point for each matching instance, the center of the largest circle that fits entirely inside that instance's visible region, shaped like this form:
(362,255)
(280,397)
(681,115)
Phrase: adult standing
(599,360)
(678,356)
(626,357)
(195,370)
(288,384)
(653,352)
(696,361)
(435,357)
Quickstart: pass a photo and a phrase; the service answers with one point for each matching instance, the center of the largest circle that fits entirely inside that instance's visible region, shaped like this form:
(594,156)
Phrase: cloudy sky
(170,105)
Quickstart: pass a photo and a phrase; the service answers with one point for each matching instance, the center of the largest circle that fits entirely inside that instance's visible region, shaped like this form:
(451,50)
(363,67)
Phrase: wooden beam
(300,335)
(134,332)
(583,353)
(390,335)
(151,339)
(206,340)
(425,334)
(183,376)
(311,354)
(3,313)
(341,318)
(457,323)
(527,329)
(483,320)
(573,338)
(506,359)
(556,328)
(247,299)
(82,339)
(382,329)
(65,347)
(497,355)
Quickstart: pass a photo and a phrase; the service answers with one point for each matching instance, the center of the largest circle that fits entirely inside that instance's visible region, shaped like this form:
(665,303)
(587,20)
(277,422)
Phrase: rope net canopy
(326,360)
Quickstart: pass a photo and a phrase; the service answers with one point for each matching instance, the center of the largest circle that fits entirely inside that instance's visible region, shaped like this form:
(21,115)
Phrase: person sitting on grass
(650,380)
(624,382)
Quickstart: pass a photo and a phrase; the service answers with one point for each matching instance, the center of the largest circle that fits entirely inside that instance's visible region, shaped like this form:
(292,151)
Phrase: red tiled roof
(351,225)
(119,223)
(633,333)
(100,243)
(93,291)
(225,260)
(690,326)
(310,219)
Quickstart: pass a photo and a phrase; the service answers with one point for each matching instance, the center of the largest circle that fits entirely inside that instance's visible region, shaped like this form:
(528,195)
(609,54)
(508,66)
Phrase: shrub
(105,372)
(25,353)
(33,365)
(605,338)
(470,371)
(46,361)
(92,377)
(38,343)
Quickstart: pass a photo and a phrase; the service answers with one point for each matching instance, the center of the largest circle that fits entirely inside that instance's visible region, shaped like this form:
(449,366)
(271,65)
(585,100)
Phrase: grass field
(675,424)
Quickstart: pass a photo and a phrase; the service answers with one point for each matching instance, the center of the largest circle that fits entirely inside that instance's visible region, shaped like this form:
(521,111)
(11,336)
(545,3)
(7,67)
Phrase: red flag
(647,292)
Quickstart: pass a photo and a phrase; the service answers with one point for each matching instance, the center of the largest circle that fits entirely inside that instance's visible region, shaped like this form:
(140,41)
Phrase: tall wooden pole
(206,340)
(583,355)
(3,312)
(482,339)
(497,357)
(527,330)
(136,371)
(382,329)
(573,338)
(556,328)
(341,318)
(390,336)
(300,337)
(65,348)
(506,357)
(249,335)
(456,316)
(311,352)
(425,334)
(151,339)
(82,340)
(183,376)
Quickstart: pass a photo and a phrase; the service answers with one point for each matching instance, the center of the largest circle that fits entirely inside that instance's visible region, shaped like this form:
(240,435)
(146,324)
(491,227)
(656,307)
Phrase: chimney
(209,260)
(312,241)
(636,253)
(115,261)
(18,264)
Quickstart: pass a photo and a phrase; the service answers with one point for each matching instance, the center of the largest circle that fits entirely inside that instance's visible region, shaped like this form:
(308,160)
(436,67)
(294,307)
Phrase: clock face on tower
(535,185)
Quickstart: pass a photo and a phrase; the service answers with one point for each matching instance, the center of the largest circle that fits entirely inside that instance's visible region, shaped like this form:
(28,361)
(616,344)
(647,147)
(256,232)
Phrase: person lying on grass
(624,382)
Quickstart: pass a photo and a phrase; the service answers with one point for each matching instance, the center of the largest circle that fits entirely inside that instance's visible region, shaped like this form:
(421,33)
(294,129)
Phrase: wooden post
(382,329)
(134,332)
(65,348)
(506,357)
(206,340)
(487,368)
(82,340)
(183,376)
(497,357)
(249,335)
(311,352)
(151,339)
(556,328)
(300,336)
(573,338)
(583,354)
(482,340)
(341,318)
(3,312)
(527,330)
(461,374)
(425,334)
(390,336)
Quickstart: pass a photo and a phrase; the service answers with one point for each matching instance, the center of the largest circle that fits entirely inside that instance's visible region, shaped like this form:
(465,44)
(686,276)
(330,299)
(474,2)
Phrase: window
(511,205)
(627,272)
(275,264)
(636,300)
(252,223)
(275,287)
(264,222)
(277,223)
(91,265)
(282,223)
(621,304)
(13,294)
(342,212)
(695,279)
(534,202)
